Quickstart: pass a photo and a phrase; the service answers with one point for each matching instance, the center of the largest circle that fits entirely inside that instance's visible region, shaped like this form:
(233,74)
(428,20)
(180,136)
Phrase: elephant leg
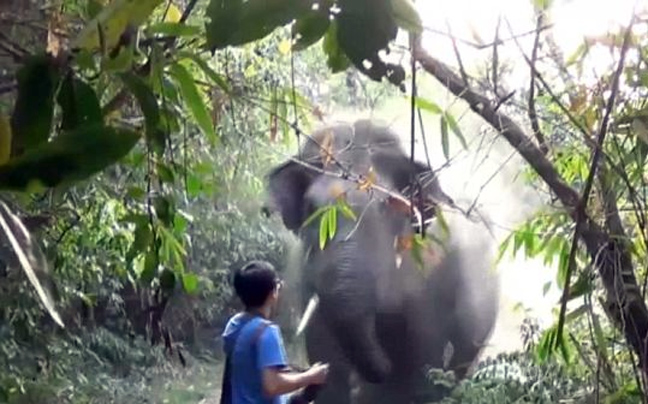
(322,347)
(465,353)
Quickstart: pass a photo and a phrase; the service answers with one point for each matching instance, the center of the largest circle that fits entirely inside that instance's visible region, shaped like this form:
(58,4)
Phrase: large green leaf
(193,100)
(337,61)
(237,22)
(406,16)
(310,28)
(70,157)
(31,121)
(365,28)
(79,104)
(155,134)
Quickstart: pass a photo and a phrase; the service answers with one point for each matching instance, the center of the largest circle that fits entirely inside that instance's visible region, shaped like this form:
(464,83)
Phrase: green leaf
(165,173)
(190,283)
(142,242)
(546,344)
(332,222)
(337,61)
(155,135)
(323,230)
(136,192)
(365,28)
(194,186)
(193,100)
(563,265)
(427,106)
(68,158)
(504,245)
(455,128)
(346,210)
(174,29)
(444,137)
(546,288)
(406,16)
(219,80)
(121,61)
(314,215)
(310,28)
(542,4)
(31,121)
(237,22)
(79,104)
(164,209)
(151,263)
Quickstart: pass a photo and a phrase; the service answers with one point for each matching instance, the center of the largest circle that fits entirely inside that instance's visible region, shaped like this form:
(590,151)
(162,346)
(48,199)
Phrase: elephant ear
(288,184)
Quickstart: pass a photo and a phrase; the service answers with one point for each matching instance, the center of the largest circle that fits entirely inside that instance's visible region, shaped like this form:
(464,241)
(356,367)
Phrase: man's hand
(317,373)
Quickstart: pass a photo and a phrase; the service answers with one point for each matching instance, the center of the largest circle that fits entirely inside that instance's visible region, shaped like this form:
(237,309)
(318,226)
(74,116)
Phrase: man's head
(257,284)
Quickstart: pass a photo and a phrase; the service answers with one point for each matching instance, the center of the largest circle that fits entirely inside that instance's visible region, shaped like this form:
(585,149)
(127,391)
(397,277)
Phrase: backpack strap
(226,388)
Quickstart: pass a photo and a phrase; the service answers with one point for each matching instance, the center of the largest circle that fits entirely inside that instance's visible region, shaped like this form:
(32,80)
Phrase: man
(254,346)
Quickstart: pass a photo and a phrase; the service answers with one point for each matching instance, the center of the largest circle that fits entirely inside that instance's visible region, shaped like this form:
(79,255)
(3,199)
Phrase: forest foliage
(134,137)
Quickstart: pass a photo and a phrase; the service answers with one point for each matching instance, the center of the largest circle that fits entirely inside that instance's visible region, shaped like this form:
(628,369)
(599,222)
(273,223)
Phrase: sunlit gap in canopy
(476,21)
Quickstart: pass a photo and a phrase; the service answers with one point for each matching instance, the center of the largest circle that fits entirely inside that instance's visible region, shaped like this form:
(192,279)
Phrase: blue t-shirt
(247,367)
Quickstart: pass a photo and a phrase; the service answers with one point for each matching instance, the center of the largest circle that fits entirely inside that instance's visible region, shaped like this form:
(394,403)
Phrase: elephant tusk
(313,302)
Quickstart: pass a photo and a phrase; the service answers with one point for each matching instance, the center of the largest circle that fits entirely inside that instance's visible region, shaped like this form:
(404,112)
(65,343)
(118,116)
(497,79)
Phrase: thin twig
(533,115)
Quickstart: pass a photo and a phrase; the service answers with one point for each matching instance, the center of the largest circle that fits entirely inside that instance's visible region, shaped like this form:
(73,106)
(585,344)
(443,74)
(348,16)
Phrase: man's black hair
(255,282)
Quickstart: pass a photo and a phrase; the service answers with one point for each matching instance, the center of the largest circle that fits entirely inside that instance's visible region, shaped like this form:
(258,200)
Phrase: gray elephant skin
(382,318)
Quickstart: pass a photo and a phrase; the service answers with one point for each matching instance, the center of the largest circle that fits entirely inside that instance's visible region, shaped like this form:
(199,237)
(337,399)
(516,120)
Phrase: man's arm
(272,358)
(276,382)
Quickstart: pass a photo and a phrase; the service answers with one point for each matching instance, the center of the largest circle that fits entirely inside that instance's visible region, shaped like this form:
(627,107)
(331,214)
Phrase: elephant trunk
(348,303)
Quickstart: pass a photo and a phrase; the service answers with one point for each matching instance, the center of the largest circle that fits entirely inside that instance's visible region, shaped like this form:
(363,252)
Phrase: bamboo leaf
(155,134)
(444,137)
(193,100)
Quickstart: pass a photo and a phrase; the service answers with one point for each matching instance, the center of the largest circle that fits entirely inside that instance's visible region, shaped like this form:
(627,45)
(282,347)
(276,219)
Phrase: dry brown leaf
(368,181)
(273,127)
(336,191)
(53,34)
(326,148)
(398,205)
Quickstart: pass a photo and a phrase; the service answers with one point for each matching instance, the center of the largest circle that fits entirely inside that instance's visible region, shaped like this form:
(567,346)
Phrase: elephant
(384,316)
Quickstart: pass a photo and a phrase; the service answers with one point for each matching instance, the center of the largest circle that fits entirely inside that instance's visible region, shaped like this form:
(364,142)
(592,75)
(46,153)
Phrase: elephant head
(361,276)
